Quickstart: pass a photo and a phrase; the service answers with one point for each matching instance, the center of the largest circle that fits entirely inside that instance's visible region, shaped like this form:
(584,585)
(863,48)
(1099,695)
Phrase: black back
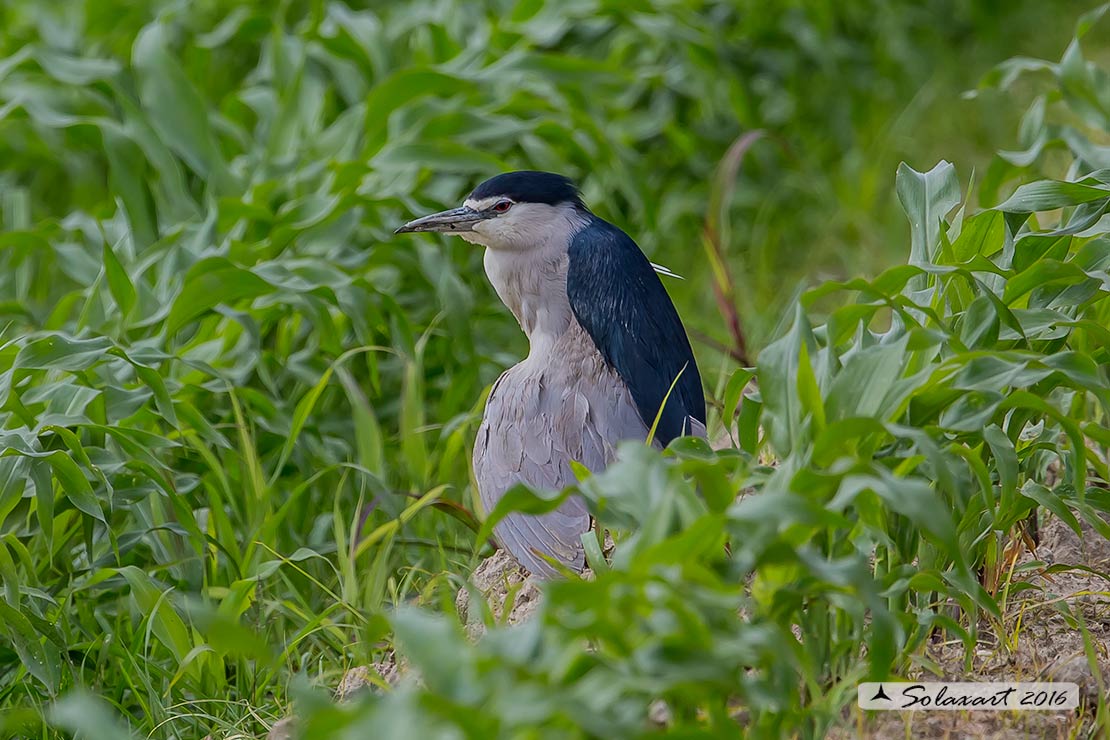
(619,300)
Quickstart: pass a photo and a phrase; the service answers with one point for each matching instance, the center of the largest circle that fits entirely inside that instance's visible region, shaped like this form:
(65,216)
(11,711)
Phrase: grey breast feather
(539,417)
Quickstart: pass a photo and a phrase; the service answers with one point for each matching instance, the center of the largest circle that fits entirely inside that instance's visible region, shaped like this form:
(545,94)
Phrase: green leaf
(981,234)
(1047,195)
(88,717)
(209,283)
(521,498)
(918,502)
(394,92)
(39,657)
(1005,462)
(300,416)
(737,382)
(58,351)
(368,432)
(127,167)
(1052,502)
(809,394)
(164,620)
(74,483)
(778,372)
(448,157)
(979,324)
(176,110)
(926,198)
(971,411)
(1039,274)
(123,290)
(860,387)
(436,647)
(75,70)
(413,446)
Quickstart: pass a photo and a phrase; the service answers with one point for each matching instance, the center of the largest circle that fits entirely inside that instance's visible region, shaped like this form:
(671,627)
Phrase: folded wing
(619,300)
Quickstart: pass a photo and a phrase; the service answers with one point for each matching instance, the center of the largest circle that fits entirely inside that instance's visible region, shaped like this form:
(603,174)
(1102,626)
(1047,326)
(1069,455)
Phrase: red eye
(502,205)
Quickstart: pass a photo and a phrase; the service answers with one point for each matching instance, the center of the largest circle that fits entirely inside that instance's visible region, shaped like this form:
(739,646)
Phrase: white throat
(526,261)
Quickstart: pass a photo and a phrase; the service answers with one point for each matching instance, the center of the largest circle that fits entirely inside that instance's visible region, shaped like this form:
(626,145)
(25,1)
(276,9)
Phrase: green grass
(236,414)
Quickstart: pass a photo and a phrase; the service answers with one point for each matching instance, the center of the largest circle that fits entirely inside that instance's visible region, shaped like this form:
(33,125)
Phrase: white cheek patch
(493,230)
(480,233)
(524,226)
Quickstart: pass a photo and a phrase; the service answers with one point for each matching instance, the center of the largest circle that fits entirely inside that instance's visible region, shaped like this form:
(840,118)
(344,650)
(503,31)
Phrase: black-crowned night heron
(606,347)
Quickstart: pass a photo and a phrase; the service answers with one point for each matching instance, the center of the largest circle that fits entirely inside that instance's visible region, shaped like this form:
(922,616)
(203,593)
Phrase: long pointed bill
(453,221)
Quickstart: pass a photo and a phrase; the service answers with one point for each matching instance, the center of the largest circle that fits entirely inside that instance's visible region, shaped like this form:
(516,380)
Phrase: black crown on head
(530,186)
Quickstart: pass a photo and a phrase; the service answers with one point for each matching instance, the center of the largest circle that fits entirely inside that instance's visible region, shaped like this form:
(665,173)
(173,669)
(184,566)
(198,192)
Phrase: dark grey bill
(452,221)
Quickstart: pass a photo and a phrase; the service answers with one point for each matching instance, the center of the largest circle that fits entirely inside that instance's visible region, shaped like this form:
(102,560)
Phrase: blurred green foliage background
(214,355)
(638,101)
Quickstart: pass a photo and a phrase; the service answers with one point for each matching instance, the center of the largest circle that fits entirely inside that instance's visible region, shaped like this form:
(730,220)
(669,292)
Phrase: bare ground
(1041,639)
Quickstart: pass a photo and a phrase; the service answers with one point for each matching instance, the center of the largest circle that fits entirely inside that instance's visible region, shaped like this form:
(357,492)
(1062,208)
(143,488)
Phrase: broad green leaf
(1005,461)
(75,70)
(73,481)
(127,166)
(981,234)
(81,713)
(809,394)
(448,156)
(733,392)
(1039,274)
(926,198)
(175,108)
(209,283)
(1047,195)
(118,281)
(394,92)
(520,498)
(155,605)
(437,647)
(39,657)
(860,387)
(1052,502)
(58,351)
(971,411)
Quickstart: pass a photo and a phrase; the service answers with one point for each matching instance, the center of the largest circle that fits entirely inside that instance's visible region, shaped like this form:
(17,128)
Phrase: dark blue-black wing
(619,300)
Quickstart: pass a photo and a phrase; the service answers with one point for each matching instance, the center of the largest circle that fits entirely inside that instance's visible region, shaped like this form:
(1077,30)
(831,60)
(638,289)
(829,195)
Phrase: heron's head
(515,211)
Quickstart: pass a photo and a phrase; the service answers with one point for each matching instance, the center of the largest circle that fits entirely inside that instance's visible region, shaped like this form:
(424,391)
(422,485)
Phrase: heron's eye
(502,205)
